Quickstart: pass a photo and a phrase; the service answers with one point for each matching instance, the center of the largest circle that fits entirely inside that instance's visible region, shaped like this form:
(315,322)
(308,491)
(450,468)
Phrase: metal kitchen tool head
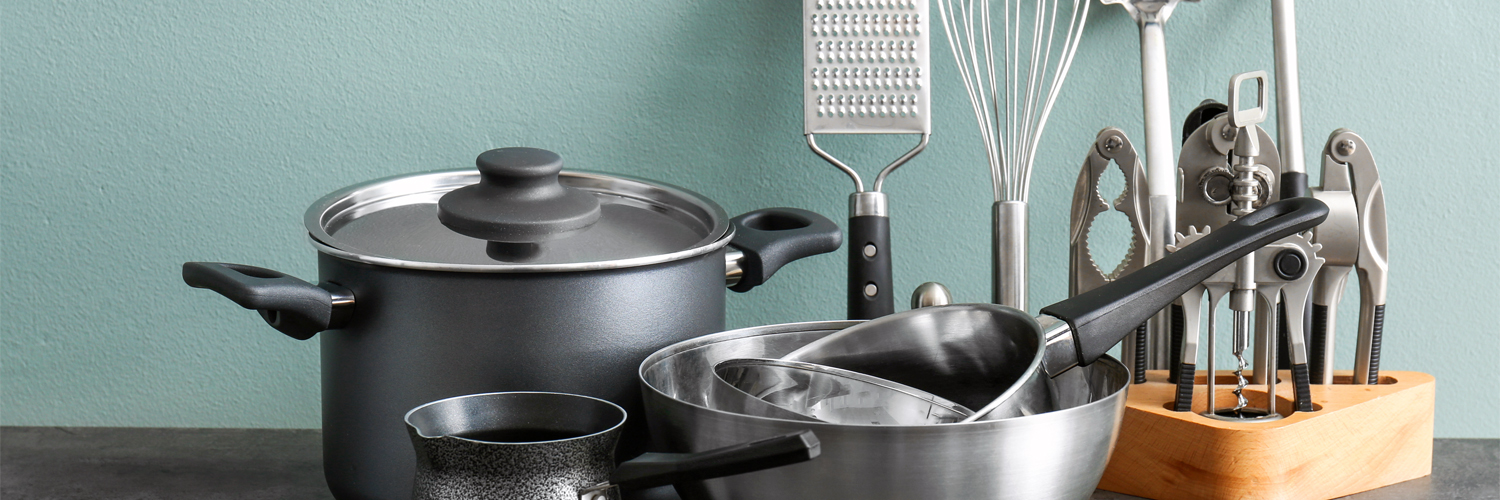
(1013,74)
(1353,238)
(833,395)
(865,70)
(1084,273)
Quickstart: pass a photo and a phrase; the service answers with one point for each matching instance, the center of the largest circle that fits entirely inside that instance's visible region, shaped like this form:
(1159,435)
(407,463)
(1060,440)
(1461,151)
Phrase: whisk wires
(1012,110)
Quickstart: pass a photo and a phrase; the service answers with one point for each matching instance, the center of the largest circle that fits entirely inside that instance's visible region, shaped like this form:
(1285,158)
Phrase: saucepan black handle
(774,237)
(1102,316)
(292,306)
(659,469)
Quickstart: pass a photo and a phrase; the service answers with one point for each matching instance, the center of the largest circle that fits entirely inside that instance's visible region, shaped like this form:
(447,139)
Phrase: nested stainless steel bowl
(1056,455)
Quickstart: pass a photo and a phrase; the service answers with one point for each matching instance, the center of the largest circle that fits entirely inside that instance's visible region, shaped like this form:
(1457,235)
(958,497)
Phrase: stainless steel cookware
(554,446)
(440,284)
(1000,360)
(832,395)
(1058,455)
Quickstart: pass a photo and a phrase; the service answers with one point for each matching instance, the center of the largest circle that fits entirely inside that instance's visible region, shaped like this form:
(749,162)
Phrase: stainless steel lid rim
(332,211)
(833,326)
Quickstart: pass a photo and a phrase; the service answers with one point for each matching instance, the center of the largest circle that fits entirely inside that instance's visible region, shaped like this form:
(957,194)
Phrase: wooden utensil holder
(1360,437)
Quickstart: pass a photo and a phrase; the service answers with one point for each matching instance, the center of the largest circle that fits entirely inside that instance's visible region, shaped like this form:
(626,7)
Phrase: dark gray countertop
(64,463)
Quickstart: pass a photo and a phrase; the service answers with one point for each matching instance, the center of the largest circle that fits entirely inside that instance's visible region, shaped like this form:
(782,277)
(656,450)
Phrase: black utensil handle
(870,267)
(1293,184)
(658,469)
(292,306)
(1178,318)
(1319,341)
(1206,111)
(774,237)
(1138,372)
(1101,317)
(1184,376)
(1377,324)
(1301,388)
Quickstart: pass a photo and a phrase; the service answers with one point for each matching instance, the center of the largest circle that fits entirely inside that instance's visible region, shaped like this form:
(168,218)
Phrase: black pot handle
(774,237)
(659,469)
(292,306)
(1102,316)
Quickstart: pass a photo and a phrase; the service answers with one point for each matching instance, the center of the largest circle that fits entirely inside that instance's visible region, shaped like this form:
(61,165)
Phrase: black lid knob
(518,200)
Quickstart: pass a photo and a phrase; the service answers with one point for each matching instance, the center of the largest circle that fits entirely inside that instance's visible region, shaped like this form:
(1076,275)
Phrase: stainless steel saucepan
(1000,360)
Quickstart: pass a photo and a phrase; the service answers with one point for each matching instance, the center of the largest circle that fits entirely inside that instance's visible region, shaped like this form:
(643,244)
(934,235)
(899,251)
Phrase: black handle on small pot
(1101,317)
(292,306)
(870,267)
(659,469)
(774,237)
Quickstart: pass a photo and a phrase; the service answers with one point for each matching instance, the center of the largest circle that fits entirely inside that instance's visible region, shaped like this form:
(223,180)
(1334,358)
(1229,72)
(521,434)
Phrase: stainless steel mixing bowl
(1056,455)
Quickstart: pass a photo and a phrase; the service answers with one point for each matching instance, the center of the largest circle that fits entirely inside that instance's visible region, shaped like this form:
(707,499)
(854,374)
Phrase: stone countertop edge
(66,463)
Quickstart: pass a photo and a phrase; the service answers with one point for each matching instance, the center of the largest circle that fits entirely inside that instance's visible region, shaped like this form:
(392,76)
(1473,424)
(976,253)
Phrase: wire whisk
(1012,101)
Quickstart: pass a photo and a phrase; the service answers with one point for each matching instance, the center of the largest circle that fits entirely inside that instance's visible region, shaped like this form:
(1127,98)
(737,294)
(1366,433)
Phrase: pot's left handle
(773,237)
(292,306)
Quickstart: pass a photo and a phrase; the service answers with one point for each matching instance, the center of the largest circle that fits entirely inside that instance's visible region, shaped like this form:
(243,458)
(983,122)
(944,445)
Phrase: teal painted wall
(141,134)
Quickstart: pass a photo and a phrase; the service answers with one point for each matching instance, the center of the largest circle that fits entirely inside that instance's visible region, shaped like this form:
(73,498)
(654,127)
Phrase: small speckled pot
(485,446)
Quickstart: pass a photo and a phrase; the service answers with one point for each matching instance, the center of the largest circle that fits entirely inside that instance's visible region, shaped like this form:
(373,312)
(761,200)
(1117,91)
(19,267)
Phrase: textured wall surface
(138,135)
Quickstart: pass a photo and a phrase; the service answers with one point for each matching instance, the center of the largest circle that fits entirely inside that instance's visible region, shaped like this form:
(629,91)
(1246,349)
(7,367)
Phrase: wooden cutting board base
(1360,437)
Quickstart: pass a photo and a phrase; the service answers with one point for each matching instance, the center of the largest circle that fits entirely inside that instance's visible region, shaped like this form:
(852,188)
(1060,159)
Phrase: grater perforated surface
(865,66)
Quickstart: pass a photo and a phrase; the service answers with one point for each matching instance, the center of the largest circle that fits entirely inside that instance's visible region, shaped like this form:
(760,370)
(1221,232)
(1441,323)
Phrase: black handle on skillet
(659,469)
(292,306)
(870,267)
(774,237)
(1101,317)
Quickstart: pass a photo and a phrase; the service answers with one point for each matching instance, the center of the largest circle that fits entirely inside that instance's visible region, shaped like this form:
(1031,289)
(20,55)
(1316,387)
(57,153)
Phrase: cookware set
(520,330)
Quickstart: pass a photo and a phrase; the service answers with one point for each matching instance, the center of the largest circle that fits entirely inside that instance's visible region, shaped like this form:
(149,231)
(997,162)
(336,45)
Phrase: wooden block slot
(1360,437)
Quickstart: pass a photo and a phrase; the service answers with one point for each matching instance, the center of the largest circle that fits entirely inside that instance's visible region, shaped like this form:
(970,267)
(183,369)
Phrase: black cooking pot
(517,277)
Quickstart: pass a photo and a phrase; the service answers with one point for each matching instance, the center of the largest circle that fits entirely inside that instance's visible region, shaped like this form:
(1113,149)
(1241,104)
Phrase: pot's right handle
(1101,317)
(292,306)
(774,237)
(659,469)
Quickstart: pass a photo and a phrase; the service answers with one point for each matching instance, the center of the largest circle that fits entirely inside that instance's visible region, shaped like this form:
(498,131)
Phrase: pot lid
(519,212)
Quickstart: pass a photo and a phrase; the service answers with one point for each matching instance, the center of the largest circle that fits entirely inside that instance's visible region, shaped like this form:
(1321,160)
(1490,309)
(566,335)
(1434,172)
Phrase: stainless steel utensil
(865,70)
(1059,455)
(1353,238)
(832,395)
(1012,99)
(1161,180)
(1004,359)
(1084,273)
(555,446)
(1288,98)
